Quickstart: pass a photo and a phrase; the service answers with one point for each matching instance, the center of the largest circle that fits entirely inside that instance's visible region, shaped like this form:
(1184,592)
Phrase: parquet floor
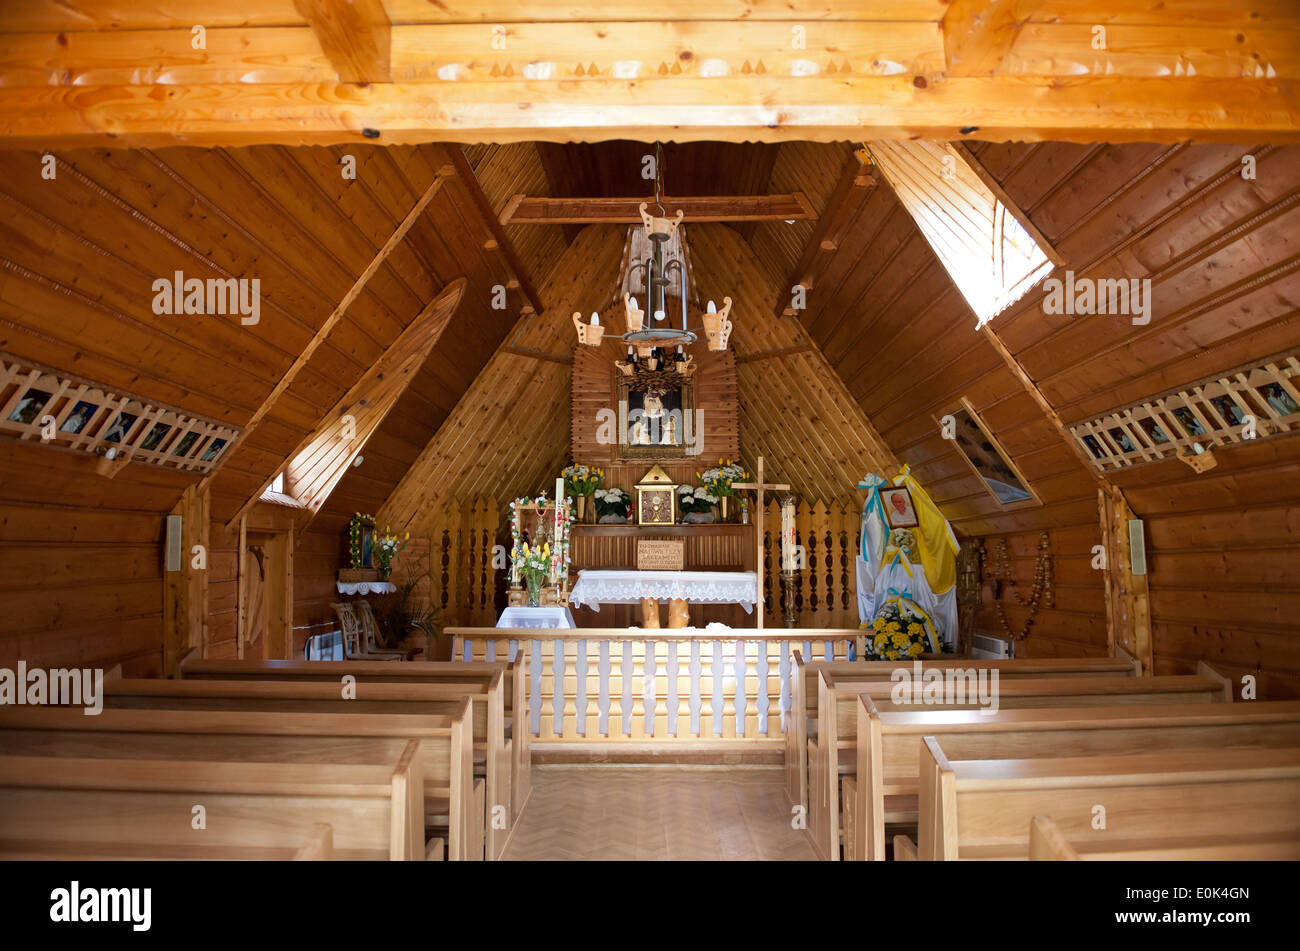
(657,813)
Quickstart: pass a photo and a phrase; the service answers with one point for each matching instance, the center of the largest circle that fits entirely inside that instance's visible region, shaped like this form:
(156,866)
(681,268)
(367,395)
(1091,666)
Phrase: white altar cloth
(541,617)
(597,586)
(366,587)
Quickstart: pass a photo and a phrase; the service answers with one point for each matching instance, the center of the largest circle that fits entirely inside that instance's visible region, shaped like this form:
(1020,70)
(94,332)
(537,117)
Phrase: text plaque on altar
(660,554)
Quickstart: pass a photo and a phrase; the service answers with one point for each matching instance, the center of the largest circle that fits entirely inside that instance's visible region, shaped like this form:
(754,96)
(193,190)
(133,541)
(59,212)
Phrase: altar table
(679,588)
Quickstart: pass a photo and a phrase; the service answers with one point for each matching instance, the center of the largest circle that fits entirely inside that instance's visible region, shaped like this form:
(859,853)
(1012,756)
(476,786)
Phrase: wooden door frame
(274,530)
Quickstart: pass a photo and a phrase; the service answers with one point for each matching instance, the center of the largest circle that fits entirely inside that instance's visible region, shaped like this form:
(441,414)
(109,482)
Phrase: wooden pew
(889,747)
(444,745)
(288,696)
(1048,843)
(1195,801)
(375,803)
(515,712)
(835,750)
(318,846)
(803,693)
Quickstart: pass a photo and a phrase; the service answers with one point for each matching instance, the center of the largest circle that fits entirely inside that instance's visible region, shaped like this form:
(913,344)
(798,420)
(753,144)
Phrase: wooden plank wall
(81,560)
(80,252)
(1221,252)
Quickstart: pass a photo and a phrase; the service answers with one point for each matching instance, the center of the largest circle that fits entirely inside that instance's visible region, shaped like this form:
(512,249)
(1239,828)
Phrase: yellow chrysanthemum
(915,650)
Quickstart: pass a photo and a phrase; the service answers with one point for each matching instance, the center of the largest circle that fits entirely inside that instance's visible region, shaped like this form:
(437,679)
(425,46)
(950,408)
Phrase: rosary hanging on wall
(998,569)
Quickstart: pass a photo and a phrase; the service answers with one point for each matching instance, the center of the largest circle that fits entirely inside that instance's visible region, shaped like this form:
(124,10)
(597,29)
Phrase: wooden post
(761,486)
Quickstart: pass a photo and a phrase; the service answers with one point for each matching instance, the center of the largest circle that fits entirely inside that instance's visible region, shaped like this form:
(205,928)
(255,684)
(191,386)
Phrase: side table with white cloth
(597,586)
(541,617)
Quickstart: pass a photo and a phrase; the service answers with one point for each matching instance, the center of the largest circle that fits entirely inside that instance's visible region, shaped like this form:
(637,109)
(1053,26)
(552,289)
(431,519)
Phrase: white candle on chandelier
(595,319)
(713,308)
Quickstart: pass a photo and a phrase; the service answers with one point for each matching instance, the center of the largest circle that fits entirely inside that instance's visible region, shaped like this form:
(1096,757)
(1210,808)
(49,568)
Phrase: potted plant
(696,504)
(613,506)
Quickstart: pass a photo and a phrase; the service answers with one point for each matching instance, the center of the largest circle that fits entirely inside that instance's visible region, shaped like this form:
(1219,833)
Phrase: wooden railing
(461,537)
(623,685)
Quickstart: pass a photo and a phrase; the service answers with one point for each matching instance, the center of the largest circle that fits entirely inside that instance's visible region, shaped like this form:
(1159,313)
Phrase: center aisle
(657,813)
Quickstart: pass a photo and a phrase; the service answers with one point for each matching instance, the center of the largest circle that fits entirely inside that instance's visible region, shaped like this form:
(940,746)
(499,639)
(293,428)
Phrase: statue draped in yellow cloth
(887,574)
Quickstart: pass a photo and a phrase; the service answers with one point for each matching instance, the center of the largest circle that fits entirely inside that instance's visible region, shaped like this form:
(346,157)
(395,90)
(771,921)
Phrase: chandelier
(655,253)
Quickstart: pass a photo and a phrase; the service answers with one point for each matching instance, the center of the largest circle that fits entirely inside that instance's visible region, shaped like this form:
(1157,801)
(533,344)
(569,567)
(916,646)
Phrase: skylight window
(988,253)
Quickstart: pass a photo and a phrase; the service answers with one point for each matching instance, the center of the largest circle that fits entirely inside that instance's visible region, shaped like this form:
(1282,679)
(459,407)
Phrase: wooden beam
(978,34)
(582,211)
(766,108)
(504,245)
(835,217)
(337,314)
(354,34)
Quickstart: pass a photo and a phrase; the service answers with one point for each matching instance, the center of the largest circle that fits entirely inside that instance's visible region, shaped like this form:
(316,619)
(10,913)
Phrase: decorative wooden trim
(96,411)
(1118,438)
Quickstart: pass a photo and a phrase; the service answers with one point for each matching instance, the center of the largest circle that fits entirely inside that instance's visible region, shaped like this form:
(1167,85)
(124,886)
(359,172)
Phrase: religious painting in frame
(656,422)
(899,510)
(987,459)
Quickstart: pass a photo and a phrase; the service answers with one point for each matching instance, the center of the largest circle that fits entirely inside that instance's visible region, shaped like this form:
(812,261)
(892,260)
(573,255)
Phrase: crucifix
(761,486)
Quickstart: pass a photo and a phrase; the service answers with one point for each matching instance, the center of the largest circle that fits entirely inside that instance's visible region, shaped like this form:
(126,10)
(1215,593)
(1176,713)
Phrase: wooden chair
(370,631)
(889,744)
(354,637)
(1189,803)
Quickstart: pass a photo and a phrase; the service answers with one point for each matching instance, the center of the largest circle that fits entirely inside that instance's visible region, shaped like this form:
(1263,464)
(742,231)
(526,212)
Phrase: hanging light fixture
(656,349)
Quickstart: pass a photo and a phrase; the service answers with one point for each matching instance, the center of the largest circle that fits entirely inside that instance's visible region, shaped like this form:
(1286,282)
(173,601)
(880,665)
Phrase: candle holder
(788,579)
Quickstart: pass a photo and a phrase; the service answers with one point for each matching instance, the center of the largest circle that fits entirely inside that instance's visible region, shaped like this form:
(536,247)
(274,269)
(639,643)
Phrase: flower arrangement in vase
(580,482)
(386,548)
(696,504)
(533,565)
(719,480)
(612,505)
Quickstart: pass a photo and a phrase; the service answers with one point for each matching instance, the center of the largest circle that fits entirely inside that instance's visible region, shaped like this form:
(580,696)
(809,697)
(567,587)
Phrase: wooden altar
(718,547)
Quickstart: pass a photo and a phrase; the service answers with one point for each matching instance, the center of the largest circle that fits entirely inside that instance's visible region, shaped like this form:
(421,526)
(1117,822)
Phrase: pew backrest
(376,809)
(888,743)
(444,744)
(983,808)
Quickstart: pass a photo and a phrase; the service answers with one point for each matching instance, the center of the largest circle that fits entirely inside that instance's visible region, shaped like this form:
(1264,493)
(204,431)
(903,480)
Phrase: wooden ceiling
(79,255)
(98,72)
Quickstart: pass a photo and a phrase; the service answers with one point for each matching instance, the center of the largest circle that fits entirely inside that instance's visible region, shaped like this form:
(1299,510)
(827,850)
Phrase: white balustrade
(672,697)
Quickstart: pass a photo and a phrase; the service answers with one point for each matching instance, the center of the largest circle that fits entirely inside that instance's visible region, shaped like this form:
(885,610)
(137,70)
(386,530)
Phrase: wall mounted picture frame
(49,407)
(982,452)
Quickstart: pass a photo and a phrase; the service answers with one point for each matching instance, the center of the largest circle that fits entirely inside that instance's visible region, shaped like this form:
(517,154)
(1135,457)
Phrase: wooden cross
(761,486)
